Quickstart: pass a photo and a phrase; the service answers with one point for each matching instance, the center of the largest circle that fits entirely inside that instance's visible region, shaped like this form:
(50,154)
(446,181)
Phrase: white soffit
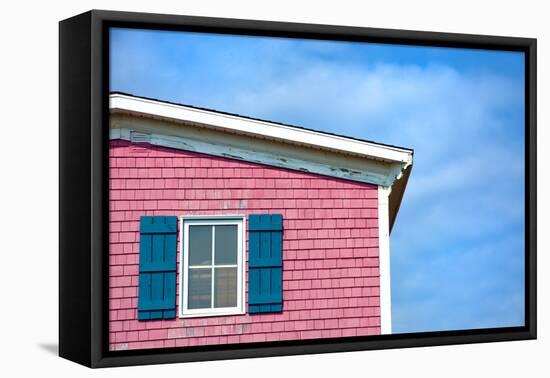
(236,124)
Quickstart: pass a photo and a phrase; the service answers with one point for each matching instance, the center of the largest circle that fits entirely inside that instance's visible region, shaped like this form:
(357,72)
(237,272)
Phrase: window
(212,276)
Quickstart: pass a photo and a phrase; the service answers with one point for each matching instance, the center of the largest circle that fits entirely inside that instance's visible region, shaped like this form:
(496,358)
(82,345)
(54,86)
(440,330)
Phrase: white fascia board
(263,129)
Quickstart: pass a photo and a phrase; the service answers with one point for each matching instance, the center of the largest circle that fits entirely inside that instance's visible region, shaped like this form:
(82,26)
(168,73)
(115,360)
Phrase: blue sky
(457,246)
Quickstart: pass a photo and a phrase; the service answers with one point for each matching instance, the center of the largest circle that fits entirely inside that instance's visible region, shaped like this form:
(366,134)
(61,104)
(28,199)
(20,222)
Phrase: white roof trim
(241,125)
(384,259)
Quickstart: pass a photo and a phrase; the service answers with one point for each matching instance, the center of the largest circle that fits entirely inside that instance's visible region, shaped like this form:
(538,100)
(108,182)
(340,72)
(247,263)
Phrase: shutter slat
(158,249)
(277,247)
(265,263)
(157,268)
(157,290)
(145,249)
(265,246)
(265,285)
(277,284)
(170,244)
(144,294)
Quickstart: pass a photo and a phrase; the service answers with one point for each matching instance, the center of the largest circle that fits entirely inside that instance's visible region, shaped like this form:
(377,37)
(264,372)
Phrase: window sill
(211,314)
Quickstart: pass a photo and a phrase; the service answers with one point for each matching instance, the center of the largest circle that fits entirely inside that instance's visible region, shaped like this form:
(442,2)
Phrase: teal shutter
(265,263)
(157,268)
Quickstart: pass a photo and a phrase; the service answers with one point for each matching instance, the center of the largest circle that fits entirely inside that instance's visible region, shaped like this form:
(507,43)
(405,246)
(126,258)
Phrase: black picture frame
(83,182)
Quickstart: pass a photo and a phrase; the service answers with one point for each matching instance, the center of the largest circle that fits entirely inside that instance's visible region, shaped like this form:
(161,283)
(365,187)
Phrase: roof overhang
(227,135)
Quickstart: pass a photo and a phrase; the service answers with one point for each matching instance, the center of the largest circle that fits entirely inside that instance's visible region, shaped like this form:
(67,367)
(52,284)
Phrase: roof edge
(123,102)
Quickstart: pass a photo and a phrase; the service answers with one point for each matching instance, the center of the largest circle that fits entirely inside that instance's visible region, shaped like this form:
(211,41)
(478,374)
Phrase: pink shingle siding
(330,246)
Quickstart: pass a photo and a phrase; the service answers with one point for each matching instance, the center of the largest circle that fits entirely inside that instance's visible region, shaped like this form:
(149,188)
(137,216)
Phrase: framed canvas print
(233,188)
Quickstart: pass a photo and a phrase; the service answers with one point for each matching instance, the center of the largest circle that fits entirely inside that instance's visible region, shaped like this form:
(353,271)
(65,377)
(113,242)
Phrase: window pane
(226,245)
(200,288)
(225,287)
(200,245)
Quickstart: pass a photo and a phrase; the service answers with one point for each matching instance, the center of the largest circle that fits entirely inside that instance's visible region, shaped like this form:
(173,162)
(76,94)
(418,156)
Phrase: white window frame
(211,220)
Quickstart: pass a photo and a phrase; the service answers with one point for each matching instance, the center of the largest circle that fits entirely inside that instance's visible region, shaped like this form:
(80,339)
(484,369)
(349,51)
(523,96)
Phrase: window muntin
(211,279)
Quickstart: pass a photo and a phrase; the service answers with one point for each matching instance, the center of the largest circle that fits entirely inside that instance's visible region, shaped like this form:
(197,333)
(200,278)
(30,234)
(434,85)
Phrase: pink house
(226,229)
